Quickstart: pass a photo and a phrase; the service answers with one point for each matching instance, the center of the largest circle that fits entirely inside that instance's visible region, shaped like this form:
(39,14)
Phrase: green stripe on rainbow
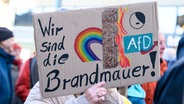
(83,41)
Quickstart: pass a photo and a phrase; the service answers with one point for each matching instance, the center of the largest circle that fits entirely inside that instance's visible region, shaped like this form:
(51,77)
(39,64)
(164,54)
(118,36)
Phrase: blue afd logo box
(137,43)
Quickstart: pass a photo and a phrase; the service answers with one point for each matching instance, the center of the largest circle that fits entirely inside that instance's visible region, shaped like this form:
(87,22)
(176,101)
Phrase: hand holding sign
(96,93)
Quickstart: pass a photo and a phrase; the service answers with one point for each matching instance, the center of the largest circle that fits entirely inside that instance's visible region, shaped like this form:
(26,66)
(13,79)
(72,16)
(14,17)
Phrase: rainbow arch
(83,41)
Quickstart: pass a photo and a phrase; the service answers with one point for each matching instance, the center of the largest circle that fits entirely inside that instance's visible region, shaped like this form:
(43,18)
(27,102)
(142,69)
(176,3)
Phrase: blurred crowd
(17,78)
(14,73)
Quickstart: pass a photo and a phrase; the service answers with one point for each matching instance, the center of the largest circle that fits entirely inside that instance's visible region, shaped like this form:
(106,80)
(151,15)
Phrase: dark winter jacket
(5,77)
(170,88)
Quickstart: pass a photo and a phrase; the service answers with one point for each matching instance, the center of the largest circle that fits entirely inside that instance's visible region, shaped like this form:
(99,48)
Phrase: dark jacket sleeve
(34,72)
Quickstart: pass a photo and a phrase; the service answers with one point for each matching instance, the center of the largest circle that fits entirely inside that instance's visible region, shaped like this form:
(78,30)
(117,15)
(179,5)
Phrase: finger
(101,89)
(102,98)
(102,93)
(100,84)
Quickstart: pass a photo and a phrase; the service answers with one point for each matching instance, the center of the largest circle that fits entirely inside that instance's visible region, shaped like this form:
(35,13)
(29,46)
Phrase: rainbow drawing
(83,41)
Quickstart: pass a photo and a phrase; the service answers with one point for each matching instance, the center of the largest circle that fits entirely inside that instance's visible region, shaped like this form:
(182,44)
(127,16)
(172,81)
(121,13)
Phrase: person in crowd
(28,76)
(17,51)
(136,94)
(6,59)
(15,71)
(170,88)
(151,86)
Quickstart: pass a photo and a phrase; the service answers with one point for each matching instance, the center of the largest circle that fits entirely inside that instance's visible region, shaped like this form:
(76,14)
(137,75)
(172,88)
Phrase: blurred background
(17,16)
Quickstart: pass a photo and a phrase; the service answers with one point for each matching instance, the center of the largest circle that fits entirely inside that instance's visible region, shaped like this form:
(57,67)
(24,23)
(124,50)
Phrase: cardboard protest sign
(76,49)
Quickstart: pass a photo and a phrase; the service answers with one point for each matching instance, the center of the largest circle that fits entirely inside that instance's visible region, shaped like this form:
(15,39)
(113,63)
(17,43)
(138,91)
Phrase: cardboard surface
(76,49)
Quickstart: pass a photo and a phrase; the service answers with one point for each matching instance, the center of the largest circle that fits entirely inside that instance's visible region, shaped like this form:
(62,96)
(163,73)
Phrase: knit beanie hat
(5,34)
